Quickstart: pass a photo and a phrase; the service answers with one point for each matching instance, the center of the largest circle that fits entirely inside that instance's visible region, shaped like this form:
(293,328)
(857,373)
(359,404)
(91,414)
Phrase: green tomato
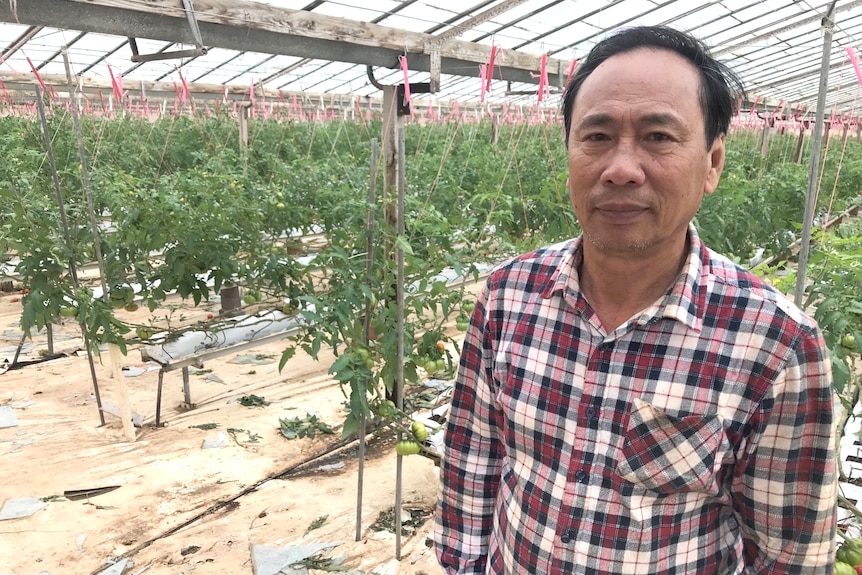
(462,325)
(468,306)
(849,341)
(68,311)
(117,294)
(144,333)
(388,408)
(842,568)
(850,552)
(420,432)
(249,299)
(407,447)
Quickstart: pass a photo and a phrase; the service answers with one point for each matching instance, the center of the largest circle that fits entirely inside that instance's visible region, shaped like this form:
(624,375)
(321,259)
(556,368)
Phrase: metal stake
(811,193)
(85,180)
(73,271)
(399,299)
(369,269)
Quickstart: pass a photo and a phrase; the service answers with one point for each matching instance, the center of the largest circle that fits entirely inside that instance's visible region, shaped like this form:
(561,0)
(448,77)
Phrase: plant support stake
(122,392)
(73,271)
(399,298)
(817,137)
(369,269)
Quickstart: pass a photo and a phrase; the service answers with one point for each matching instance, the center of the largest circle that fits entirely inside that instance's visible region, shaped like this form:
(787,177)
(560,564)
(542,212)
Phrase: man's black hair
(719,85)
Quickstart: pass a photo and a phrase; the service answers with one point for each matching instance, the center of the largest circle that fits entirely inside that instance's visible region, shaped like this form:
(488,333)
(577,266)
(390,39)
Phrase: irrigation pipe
(340,444)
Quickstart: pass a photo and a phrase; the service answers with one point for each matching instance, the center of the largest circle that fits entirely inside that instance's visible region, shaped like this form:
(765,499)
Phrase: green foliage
(183,207)
(834,296)
(252,400)
(298,428)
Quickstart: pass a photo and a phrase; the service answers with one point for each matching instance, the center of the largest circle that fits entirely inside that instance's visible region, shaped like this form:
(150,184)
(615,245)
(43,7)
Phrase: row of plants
(185,208)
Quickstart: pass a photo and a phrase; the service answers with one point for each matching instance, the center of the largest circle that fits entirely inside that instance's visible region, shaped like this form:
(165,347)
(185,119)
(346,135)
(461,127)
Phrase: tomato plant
(184,209)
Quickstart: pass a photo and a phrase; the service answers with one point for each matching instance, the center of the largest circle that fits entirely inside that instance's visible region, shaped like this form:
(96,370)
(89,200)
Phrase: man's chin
(616,245)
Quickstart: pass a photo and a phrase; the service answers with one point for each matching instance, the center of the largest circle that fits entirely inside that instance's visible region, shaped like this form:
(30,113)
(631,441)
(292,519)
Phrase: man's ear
(715,160)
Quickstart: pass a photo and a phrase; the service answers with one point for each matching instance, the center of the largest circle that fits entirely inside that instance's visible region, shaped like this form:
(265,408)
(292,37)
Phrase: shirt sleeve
(786,493)
(470,466)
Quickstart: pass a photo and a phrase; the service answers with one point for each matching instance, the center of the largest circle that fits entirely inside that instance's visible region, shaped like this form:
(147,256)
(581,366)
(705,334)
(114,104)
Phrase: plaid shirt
(697,438)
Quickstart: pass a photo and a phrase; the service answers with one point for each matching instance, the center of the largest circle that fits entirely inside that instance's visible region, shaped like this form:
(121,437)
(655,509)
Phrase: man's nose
(624,165)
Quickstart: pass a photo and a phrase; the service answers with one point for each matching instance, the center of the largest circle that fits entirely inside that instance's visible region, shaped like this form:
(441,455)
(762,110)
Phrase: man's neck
(618,287)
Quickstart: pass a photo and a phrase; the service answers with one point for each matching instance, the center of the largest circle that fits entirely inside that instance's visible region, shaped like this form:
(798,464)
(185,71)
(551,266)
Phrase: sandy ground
(166,479)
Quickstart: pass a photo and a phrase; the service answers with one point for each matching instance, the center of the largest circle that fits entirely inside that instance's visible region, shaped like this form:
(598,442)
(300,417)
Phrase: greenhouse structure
(244,242)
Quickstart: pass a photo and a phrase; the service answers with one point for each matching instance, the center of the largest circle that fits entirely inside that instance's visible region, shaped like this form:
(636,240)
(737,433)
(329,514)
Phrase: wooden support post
(764,141)
(49,329)
(159,398)
(391,124)
(495,130)
(435,65)
(122,391)
(393,168)
(243,124)
(187,391)
(799,141)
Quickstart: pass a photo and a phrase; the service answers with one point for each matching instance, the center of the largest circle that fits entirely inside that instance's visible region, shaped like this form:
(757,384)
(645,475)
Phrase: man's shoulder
(736,286)
(540,263)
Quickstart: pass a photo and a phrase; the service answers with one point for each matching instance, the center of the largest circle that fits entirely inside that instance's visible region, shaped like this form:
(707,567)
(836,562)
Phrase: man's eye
(596,137)
(659,137)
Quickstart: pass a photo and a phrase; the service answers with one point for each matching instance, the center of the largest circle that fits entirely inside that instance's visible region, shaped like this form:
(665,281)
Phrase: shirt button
(591,412)
(567,537)
(581,475)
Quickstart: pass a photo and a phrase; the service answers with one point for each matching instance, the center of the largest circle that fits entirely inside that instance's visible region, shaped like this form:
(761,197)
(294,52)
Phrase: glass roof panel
(775,45)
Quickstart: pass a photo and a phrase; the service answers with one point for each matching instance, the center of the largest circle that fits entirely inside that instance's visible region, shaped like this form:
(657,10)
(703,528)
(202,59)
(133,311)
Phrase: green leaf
(286,355)
(345,374)
(340,363)
(403,244)
(350,426)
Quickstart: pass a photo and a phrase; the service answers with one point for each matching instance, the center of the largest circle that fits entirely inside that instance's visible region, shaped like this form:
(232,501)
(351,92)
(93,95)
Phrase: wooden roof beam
(251,26)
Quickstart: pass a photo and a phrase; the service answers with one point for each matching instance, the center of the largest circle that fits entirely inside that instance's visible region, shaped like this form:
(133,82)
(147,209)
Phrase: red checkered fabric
(696,438)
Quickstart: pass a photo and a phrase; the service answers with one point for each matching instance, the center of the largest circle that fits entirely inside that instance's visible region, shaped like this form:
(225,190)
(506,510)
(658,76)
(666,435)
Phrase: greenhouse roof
(353,46)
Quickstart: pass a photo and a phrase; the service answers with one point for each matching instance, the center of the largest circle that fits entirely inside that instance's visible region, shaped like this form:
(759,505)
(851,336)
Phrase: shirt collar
(684,301)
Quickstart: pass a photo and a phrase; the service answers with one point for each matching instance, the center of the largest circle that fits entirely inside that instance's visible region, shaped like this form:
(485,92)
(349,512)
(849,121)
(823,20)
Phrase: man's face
(638,162)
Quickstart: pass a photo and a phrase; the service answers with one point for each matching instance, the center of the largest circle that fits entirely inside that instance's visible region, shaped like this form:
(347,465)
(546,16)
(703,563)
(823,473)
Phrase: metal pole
(73,271)
(399,299)
(85,180)
(369,269)
(811,193)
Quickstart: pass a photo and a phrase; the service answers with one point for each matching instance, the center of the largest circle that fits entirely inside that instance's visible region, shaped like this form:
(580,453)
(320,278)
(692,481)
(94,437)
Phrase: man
(629,401)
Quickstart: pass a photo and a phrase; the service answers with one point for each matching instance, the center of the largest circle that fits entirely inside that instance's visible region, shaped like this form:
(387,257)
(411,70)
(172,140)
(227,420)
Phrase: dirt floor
(179,507)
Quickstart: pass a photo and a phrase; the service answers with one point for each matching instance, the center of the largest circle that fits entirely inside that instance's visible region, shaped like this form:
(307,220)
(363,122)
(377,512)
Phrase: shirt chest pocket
(669,455)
